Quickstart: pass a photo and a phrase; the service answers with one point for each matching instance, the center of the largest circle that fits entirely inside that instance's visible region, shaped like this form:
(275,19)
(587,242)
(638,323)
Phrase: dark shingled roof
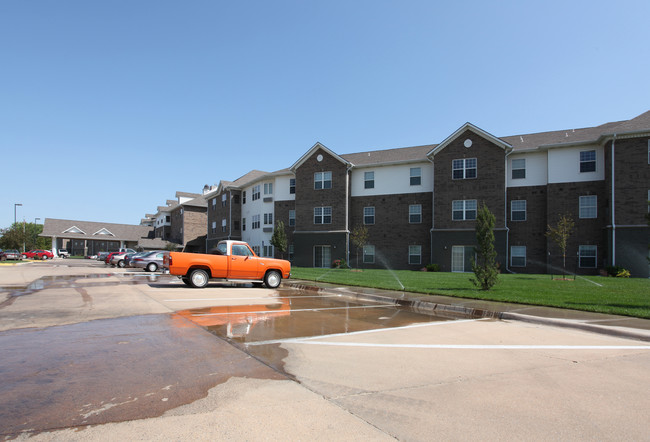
(124,232)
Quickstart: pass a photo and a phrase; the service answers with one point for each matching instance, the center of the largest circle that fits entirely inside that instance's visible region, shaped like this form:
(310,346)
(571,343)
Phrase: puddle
(298,314)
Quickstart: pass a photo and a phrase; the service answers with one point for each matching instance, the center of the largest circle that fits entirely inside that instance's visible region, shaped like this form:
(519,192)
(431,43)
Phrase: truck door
(243,263)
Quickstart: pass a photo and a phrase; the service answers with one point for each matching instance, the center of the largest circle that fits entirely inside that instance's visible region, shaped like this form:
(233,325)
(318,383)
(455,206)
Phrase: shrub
(617,271)
(338,263)
(433,268)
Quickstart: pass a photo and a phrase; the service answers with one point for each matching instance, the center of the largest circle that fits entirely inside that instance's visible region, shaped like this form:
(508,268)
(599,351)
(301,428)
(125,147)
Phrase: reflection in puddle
(298,316)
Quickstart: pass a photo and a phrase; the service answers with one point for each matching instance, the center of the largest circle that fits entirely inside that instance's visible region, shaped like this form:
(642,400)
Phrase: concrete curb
(459,311)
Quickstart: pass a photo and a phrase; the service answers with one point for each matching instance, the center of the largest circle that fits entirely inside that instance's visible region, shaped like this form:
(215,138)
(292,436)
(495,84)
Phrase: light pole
(15,205)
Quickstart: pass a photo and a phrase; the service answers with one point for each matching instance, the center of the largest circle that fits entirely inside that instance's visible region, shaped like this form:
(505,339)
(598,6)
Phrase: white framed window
(256,192)
(415,255)
(256,222)
(243,197)
(518,256)
(588,161)
(416,176)
(214,227)
(322,215)
(243,224)
(518,210)
(322,180)
(463,210)
(368,254)
(268,218)
(519,168)
(214,203)
(368,215)
(268,251)
(463,169)
(290,251)
(369,180)
(415,214)
(322,256)
(223,200)
(292,186)
(588,206)
(223,224)
(268,188)
(587,257)
(292,217)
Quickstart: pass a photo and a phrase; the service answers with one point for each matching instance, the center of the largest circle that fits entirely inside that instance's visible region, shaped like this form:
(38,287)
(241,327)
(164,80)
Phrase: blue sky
(108,108)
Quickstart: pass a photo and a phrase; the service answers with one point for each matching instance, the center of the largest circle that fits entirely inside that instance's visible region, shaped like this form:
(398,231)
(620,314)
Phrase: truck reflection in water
(238,320)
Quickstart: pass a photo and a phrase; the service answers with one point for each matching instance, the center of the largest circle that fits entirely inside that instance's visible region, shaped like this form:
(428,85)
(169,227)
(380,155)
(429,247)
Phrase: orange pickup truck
(231,261)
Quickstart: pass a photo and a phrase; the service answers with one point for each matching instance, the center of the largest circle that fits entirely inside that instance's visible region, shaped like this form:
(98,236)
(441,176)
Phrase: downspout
(613,206)
(505,191)
(433,210)
(347,213)
(230,214)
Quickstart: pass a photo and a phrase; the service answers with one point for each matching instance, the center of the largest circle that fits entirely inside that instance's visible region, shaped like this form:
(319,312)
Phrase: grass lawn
(620,296)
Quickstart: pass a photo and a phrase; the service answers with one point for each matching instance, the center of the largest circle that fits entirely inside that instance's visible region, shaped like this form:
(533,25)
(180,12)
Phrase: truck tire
(272,279)
(186,281)
(199,278)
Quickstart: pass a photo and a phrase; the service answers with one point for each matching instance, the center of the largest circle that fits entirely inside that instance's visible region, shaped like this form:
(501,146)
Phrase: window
(369,180)
(223,225)
(268,218)
(589,206)
(292,217)
(322,256)
(292,186)
(519,169)
(243,197)
(415,213)
(368,254)
(214,203)
(463,210)
(322,215)
(243,224)
(416,176)
(214,227)
(256,192)
(518,256)
(268,188)
(256,222)
(322,180)
(464,169)
(268,251)
(588,161)
(291,252)
(415,254)
(518,210)
(587,257)
(368,215)
(241,250)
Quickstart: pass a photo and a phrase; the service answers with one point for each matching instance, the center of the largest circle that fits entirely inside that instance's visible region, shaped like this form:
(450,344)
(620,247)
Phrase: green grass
(620,296)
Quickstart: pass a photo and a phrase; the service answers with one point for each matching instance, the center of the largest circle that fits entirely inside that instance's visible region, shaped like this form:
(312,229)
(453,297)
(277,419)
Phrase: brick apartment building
(419,204)
(181,221)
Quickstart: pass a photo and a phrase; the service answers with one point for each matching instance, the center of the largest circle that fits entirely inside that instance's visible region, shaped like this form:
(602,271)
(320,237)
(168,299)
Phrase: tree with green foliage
(279,238)
(486,272)
(359,237)
(21,233)
(560,234)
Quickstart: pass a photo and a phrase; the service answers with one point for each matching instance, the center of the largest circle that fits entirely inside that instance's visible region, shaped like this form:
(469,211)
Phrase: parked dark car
(151,262)
(10,254)
(38,254)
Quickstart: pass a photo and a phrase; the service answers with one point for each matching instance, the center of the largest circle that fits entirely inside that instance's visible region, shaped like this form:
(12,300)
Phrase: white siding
(282,188)
(564,165)
(257,237)
(390,180)
(536,169)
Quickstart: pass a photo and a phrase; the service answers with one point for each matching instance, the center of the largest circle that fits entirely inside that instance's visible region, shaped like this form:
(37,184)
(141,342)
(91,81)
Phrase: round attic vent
(468,143)
(319,158)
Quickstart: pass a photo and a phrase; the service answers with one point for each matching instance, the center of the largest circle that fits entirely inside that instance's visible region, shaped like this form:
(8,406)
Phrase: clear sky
(107,108)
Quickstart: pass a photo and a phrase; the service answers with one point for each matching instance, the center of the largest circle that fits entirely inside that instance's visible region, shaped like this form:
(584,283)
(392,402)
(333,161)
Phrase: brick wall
(531,232)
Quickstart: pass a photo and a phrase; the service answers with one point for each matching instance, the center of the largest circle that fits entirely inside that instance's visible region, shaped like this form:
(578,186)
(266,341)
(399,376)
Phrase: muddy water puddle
(256,329)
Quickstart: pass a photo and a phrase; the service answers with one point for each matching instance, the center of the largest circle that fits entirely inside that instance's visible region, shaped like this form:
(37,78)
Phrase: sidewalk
(613,325)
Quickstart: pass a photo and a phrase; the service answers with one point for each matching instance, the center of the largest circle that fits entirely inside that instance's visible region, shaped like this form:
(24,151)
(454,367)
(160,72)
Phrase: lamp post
(16,205)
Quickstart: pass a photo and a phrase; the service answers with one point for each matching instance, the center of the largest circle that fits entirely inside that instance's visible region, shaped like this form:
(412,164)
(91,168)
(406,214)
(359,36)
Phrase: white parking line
(475,347)
(297,310)
(249,299)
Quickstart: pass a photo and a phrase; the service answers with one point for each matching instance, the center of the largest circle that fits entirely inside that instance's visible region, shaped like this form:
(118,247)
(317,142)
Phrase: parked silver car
(10,254)
(151,262)
(119,259)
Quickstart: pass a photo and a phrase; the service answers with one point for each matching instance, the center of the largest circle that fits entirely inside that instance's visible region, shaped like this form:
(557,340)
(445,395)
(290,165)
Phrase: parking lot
(93,353)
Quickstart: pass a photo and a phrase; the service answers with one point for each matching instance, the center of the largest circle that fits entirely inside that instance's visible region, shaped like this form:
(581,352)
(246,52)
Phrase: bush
(618,272)
(433,268)
(338,263)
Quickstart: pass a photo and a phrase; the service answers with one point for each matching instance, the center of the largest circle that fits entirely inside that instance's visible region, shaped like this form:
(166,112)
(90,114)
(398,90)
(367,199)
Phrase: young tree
(279,238)
(359,237)
(485,267)
(560,235)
